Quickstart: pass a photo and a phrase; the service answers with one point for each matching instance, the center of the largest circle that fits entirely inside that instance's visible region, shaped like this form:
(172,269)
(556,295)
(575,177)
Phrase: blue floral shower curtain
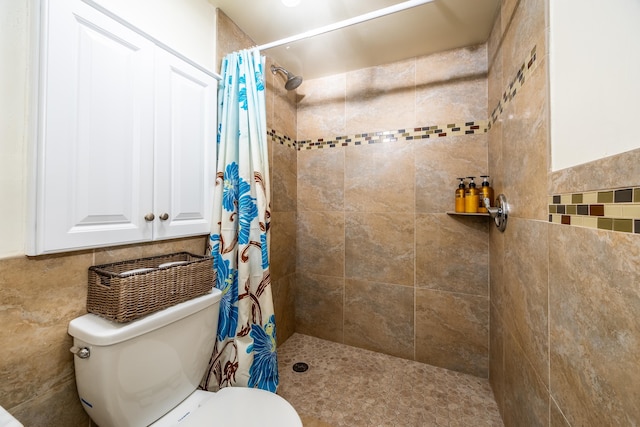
(245,350)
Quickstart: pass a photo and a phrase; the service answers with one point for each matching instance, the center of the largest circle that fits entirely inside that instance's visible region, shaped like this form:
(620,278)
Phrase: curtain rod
(346,23)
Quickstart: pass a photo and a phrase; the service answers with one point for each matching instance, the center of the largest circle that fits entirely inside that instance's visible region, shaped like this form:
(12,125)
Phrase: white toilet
(147,372)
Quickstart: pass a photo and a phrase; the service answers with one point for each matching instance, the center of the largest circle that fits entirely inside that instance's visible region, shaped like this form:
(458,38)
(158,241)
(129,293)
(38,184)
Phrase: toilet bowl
(147,372)
(232,406)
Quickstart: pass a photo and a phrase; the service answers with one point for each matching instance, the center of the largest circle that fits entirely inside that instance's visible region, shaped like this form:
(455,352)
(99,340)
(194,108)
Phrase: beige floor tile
(348,386)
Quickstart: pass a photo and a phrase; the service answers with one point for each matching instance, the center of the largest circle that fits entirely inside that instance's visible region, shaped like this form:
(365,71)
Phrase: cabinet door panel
(96,183)
(185,147)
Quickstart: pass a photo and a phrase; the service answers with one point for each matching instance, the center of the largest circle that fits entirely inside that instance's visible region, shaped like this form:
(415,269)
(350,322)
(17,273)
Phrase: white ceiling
(433,27)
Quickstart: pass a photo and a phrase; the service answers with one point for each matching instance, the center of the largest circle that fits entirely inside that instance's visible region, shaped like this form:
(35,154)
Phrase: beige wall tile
(452,253)
(494,64)
(320,306)
(458,101)
(497,284)
(438,162)
(269,98)
(321,110)
(495,159)
(321,243)
(594,306)
(379,317)
(39,296)
(453,339)
(321,179)
(59,407)
(379,178)
(284,179)
(526,148)
(451,87)
(526,272)
(556,419)
(379,247)
(380,98)
(507,9)
(283,292)
(229,37)
(496,356)
(283,244)
(452,66)
(284,106)
(621,170)
(526,30)
(526,400)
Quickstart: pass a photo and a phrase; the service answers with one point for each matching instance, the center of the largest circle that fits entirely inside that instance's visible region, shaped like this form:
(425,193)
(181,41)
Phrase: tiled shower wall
(565,300)
(380,264)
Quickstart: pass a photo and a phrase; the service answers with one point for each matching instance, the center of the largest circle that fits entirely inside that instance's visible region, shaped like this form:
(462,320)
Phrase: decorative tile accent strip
(507,96)
(435,131)
(615,210)
(280,138)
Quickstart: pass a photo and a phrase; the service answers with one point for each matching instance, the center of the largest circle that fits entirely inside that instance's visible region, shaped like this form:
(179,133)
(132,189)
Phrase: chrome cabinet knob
(164,216)
(149,217)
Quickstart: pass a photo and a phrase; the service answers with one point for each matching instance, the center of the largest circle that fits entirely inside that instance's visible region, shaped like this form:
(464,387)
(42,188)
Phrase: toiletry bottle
(486,192)
(471,197)
(460,196)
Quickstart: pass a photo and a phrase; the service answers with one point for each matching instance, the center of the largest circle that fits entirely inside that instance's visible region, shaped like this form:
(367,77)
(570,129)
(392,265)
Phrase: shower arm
(500,213)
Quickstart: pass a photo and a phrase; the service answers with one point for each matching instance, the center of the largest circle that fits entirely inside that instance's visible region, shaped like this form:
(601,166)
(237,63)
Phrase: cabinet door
(185,141)
(94,179)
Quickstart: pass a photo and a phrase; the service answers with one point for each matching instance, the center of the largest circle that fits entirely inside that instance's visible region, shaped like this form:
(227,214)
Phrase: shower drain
(300,367)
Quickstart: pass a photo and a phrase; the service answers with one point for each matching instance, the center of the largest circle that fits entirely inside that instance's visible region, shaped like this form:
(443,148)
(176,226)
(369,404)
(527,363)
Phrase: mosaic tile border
(281,138)
(525,70)
(425,132)
(434,131)
(614,210)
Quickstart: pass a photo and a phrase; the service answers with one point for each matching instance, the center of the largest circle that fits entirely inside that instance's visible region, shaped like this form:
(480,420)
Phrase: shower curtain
(245,349)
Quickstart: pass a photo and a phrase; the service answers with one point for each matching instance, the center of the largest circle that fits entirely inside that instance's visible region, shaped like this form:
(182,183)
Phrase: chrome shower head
(293,81)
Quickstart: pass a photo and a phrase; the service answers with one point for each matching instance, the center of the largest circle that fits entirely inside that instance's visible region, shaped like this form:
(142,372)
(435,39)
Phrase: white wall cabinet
(126,136)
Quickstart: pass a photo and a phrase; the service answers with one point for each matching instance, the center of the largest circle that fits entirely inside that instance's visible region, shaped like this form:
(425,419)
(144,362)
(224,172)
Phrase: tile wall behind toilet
(380,264)
(39,296)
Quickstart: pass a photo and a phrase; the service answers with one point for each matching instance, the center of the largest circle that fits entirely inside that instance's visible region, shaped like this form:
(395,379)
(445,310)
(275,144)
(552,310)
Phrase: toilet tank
(138,371)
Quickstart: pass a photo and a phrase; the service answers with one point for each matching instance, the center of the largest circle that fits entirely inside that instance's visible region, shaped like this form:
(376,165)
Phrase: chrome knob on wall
(500,213)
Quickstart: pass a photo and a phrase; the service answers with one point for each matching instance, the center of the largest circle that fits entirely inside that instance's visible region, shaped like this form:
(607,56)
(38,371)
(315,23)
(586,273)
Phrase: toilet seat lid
(244,407)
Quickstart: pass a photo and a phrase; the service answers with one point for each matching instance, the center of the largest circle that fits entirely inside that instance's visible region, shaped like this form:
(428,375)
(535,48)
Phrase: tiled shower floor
(348,386)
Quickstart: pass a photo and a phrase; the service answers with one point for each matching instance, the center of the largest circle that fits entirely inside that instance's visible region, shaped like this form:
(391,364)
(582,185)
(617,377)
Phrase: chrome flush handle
(81,352)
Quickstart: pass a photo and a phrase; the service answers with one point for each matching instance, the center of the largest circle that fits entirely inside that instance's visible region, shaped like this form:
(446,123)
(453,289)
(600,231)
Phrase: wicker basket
(127,290)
